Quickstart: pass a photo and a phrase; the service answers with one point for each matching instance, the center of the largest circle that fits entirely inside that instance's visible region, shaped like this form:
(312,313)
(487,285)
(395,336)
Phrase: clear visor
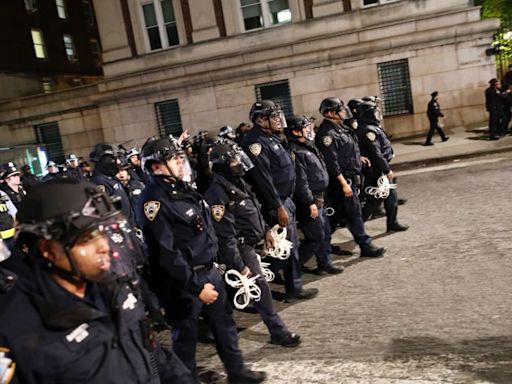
(106,252)
(240,157)
(277,120)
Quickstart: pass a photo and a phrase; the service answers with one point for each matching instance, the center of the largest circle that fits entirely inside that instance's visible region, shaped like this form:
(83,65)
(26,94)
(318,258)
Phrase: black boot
(371,250)
(289,340)
(247,376)
(397,227)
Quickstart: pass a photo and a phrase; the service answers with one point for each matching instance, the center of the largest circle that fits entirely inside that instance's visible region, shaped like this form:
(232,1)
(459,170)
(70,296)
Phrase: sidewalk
(411,152)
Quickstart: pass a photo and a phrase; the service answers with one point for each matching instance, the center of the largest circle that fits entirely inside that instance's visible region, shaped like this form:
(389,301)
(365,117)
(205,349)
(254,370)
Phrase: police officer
(86,169)
(312,182)
(11,184)
(135,170)
(7,215)
(104,176)
(273,179)
(343,160)
(227,132)
(69,320)
(434,114)
(241,130)
(132,186)
(28,179)
(53,171)
(494,105)
(240,226)
(375,145)
(73,170)
(182,244)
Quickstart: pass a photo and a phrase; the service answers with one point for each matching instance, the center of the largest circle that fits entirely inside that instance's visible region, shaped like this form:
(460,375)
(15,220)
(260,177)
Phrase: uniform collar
(59,308)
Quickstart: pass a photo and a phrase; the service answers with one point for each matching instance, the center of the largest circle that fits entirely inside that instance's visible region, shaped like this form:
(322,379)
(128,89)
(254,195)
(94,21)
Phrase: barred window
(278,92)
(48,134)
(395,87)
(168,118)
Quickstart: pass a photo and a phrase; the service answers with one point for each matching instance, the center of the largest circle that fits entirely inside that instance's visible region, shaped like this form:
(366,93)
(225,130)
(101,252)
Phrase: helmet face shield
(226,153)
(240,157)
(106,251)
(277,121)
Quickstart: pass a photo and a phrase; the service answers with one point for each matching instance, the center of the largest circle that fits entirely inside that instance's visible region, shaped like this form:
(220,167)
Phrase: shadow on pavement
(413,142)
(481,137)
(486,358)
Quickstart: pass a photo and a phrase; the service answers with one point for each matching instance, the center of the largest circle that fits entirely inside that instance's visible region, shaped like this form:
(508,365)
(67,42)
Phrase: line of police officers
(81,287)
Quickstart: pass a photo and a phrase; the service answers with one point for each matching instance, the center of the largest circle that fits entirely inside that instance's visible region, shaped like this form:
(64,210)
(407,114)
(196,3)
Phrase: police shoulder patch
(218,212)
(151,209)
(255,149)
(371,136)
(327,140)
(101,188)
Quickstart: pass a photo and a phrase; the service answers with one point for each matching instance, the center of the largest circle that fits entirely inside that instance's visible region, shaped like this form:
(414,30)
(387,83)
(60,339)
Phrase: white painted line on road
(449,166)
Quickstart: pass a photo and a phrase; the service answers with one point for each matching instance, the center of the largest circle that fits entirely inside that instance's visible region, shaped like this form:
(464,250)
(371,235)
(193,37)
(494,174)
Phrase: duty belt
(202,269)
(354,179)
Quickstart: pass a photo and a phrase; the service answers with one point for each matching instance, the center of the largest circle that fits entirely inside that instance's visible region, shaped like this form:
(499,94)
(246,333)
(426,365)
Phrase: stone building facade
(200,64)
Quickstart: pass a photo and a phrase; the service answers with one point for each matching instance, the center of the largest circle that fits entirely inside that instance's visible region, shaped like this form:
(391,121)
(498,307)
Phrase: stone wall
(214,81)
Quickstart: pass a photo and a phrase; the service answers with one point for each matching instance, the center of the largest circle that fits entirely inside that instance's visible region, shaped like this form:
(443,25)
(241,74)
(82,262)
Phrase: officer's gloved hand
(282,217)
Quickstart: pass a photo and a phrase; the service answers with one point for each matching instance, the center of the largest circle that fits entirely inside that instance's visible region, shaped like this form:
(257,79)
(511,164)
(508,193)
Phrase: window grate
(278,92)
(168,118)
(395,87)
(49,135)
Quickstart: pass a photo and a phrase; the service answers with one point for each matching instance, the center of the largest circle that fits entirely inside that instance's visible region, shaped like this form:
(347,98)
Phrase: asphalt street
(436,309)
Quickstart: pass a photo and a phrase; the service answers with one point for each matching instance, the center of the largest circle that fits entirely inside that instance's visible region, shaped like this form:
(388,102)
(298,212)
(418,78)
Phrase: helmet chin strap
(74,276)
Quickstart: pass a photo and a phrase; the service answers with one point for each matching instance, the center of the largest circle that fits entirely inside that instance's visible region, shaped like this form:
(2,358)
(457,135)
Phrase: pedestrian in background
(434,114)
(494,105)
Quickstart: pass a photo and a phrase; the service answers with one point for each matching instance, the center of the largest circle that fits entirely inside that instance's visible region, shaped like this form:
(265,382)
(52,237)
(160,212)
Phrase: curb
(436,160)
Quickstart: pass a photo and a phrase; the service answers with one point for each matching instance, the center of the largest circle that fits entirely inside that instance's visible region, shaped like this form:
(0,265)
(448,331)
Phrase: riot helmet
(271,111)
(366,112)
(229,159)
(133,156)
(166,151)
(299,123)
(88,238)
(329,104)
(227,132)
(105,158)
(373,99)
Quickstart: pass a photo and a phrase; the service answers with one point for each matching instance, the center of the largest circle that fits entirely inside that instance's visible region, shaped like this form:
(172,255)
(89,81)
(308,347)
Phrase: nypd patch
(151,209)
(327,140)
(255,149)
(371,136)
(218,212)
